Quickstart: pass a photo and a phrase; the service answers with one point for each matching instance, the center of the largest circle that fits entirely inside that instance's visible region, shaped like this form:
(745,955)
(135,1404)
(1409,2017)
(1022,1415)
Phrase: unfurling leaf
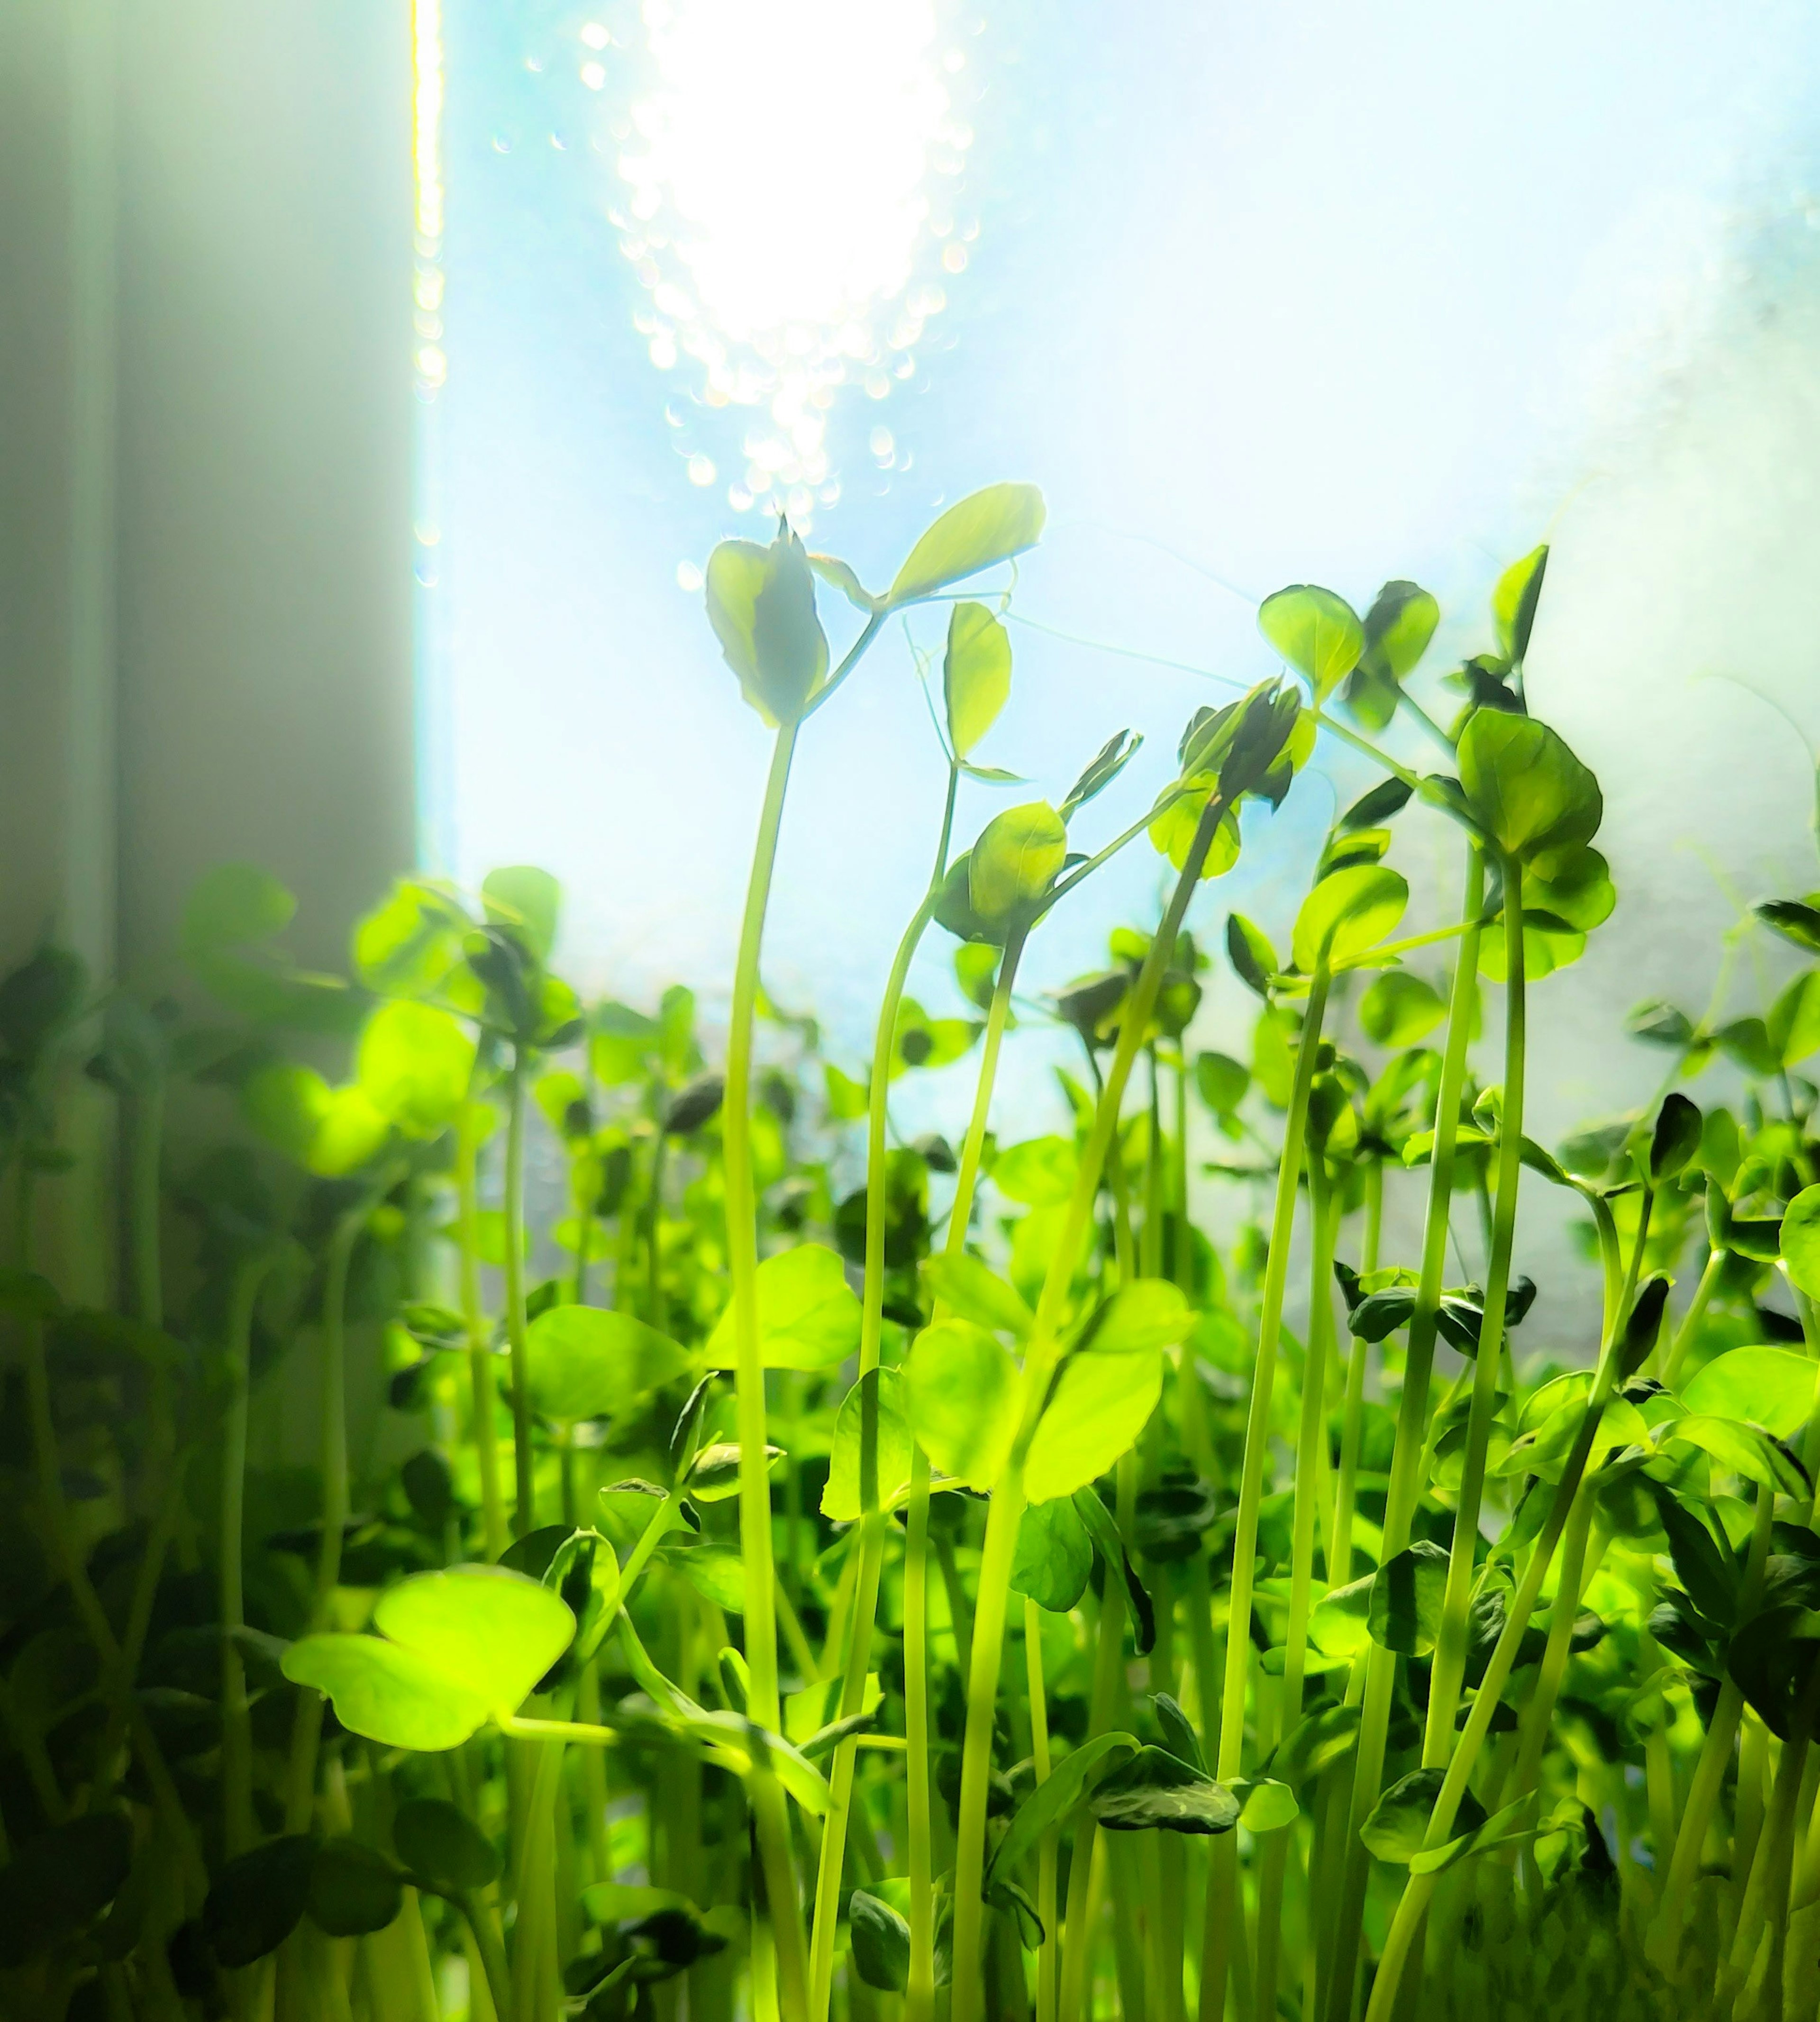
(761,603)
(1016,861)
(1514,600)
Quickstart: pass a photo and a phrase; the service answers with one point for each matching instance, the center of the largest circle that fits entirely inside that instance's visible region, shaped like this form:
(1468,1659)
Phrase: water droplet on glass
(701,470)
(881,443)
(688,577)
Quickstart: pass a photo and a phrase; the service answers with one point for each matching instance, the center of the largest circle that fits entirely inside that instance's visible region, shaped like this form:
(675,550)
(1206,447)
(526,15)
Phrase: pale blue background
(1329,292)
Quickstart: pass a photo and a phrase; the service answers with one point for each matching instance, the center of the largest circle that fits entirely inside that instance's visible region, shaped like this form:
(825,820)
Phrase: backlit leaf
(761,603)
(987,527)
(975,674)
(586,1362)
(807,1316)
(960,1395)
(1098,1406)
(1318,633)
(1348,914)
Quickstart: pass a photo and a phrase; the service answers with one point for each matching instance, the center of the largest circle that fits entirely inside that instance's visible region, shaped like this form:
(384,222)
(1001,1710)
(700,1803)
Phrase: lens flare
(790,172)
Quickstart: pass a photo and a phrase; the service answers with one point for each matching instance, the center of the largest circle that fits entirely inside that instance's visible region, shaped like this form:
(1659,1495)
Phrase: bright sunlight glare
(791,169)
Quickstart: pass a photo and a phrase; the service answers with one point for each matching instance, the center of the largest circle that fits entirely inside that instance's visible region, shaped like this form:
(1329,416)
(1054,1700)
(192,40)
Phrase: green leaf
(716,1572)
(1399,1819)
(329,1131)
(807,1316)
(1221,1081)
(1339,1622)
(495,1633)
(1173,830)
(1097,1520)
(528,901)
(1527,789)
(1347,914)
(1156,1790)
(1793,1025)
(414,1064)
(1407,1593)
(975,1292)
(1703,1568)
(1179,1735)
(881,1942)
(57,1881)
(1148,1313)
(841,576)
(407,946)
(390,1696)
(961,1393)
(1016,860)
(439,1841)
(1677,1136)
(986,527)
(842,1498)
(1771,1660)
(1319,1739)
(761,603)
(1106,763)
(233,906)
(1398,627)
(1268,1805)
(1801,1240)
(713,1475)
(1096,1410)
(1513,603)
(975,674)
(1745,1449)
(353,1889)
(1318,633)
(1796,920)
(1039,1173)
(1772,1387)
(1053,1799)
(584,1362)
(1254,961)
(257,1899)
(1054,1555)
(1512,1826)
(1399,1009)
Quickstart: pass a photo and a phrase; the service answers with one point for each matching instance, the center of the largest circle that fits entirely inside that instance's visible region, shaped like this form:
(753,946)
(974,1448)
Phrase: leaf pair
(454,1649)
(761,603)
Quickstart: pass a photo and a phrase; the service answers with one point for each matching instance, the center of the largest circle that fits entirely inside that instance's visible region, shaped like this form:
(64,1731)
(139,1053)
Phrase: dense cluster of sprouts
(966,1596)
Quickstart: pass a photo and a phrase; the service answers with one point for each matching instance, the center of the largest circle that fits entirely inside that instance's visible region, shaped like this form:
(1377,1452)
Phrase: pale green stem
(1046,1851)
(237,1822)
(1540,1710)
(769,1817)
(1324,1215)
(1689,1324)
(1708,1779)
(307,1727)
(1412,1906)
(1408,1471)
(920,1994)
(872,1539)
(524,1454)
(482,1390)
(1449,1664)
(1007,1506)
(1222,1905)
